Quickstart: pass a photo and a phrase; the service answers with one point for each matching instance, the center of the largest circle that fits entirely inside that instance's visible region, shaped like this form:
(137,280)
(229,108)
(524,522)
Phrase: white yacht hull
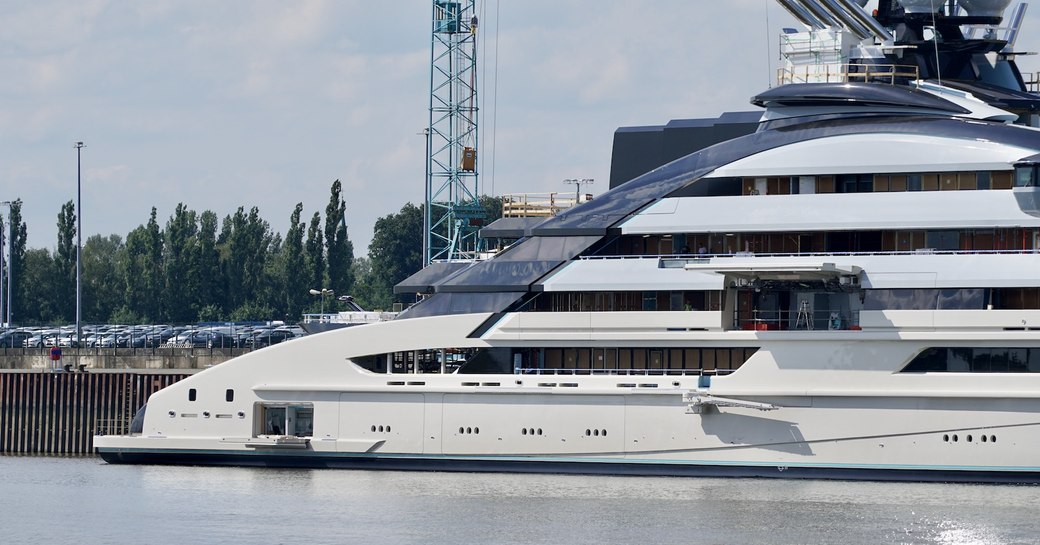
(838,409)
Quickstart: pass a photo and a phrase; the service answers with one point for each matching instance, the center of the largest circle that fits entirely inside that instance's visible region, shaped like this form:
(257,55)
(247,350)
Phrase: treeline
(196,267)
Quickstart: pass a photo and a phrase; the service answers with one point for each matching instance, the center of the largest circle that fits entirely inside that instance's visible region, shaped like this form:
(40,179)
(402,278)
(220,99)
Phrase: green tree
(102,278)
(395,252)
(181,278)
(315,253)
(65,264)
(339,250)
(247,241)
(210,289)
(294,274)
(492,208)
(143,271)
(16,238)
(37,285)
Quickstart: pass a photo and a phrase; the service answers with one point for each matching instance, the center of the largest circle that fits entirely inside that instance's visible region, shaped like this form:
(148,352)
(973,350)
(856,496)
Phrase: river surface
(58,501)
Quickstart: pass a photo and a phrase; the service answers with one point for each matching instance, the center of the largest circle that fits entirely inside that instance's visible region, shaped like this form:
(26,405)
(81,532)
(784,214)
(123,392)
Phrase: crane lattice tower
(453,210)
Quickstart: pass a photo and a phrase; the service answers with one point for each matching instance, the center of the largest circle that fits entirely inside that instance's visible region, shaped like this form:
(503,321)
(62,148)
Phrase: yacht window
(944,240)
(274,421)
(192,394)
(297,420)
(983,180)
(900,299)
(1025,176)
(229,395)
(913,182)
(975,360)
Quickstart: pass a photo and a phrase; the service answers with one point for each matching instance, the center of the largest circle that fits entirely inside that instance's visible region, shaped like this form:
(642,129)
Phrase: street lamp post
(323,292)
(577,183)
(79,244)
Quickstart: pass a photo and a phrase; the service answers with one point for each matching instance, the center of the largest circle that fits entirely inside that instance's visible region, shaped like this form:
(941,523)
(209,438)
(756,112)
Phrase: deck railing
(1032,81)
(848,72)
(677,260)
(538,205)
(797,320)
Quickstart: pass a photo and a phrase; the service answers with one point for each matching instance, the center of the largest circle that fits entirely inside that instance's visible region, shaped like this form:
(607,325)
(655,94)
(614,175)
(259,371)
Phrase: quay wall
(123,359)
(48,412)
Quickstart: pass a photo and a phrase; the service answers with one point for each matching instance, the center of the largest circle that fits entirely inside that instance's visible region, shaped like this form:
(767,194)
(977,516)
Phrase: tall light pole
(323,292)
(578,182)
(79,243)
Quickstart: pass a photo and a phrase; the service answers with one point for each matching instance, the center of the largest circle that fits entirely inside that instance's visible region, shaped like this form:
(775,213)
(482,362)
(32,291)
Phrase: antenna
(577,183)
(935,43)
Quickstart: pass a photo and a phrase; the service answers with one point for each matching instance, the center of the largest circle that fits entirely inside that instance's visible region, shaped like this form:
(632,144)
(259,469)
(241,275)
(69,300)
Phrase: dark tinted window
(976,360)
(191,394)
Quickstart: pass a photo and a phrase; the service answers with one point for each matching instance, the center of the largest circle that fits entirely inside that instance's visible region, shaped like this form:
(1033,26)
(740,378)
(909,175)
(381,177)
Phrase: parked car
(201,339)
(268,337)
(14,338)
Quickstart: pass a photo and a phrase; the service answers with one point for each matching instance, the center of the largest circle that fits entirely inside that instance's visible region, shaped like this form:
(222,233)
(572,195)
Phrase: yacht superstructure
(853,291)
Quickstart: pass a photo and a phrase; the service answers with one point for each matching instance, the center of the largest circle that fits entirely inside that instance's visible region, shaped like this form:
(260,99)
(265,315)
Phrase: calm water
(60,501)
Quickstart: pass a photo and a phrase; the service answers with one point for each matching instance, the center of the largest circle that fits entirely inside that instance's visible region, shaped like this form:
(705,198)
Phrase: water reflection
(81,500)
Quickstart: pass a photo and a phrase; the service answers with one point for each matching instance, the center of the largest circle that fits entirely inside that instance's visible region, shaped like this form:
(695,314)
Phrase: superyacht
(852,291)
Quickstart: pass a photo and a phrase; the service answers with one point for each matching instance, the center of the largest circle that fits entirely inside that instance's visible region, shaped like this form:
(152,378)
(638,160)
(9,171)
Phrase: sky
(264,103)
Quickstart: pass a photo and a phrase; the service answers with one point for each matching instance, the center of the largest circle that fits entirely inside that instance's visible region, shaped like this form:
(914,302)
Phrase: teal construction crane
(453,211)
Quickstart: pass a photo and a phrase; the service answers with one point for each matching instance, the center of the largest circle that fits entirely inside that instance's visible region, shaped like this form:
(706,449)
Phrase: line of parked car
(150,336)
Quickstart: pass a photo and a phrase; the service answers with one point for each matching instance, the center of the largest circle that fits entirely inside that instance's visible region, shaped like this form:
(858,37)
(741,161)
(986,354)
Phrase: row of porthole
(983,438)
(530,431)
(595,433)
(381,429)
(468,431)
(229,394)
(206,414)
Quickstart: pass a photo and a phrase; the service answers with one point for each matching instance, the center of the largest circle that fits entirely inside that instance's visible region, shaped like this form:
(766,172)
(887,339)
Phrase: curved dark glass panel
(596,216)
(854,94)
(975,360)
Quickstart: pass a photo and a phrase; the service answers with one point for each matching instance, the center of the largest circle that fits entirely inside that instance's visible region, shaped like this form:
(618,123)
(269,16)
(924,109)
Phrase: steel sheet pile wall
(59,413)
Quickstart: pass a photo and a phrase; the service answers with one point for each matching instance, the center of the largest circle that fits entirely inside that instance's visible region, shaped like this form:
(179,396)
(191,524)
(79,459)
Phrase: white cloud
(263,102)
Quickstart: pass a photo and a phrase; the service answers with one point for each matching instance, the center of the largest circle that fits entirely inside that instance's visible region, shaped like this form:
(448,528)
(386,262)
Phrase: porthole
(539,431)
(462,430)
(984,438)
(955,438)
(595,433)
(992,438)
(373,428)
(588,433)
(476,430)
(380,429)
(946,438)
(969,438)
(388,429)
(523,431)
(469,430)
(603,433)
